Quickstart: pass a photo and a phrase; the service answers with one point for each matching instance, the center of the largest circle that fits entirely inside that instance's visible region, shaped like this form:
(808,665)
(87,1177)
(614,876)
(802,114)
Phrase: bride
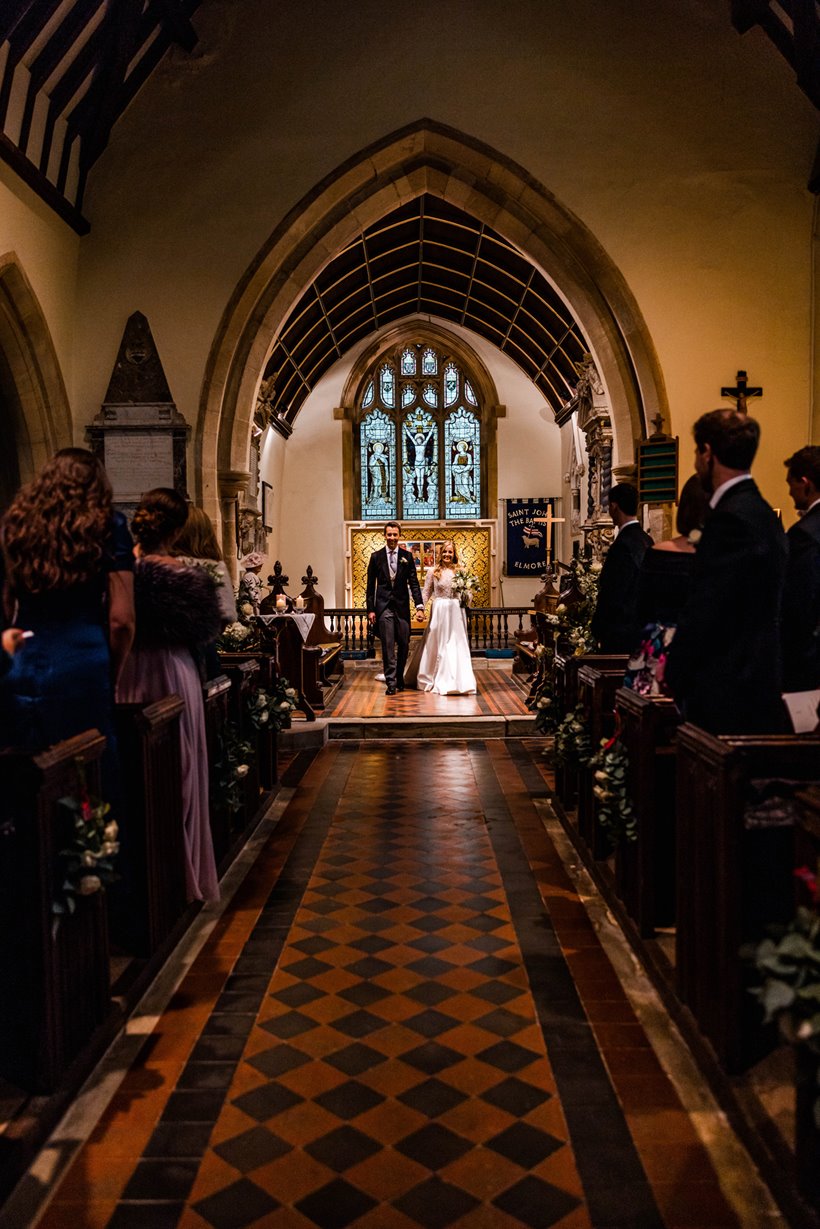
(445,666)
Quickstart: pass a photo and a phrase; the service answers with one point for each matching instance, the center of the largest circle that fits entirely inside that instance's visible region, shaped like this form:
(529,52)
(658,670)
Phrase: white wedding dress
(445,667)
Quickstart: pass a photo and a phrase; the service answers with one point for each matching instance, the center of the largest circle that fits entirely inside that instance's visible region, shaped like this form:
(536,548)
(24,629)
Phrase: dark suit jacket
(615,623)
(800,620)
(384,593)
(724,663)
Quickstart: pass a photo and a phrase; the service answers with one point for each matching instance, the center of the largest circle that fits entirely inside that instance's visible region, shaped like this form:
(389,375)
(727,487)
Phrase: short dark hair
(392,525)
(625,495)
(805,463)
(693,504)
(732,436)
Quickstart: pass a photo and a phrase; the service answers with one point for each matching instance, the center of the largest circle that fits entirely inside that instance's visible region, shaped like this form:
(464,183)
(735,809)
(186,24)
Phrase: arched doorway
(32,393)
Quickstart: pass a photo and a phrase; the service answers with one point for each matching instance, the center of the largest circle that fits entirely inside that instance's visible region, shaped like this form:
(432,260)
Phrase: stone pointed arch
(32,380)
(425,156)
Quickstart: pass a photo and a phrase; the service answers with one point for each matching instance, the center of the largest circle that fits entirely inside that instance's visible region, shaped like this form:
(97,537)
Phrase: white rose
(241,771)
(89,859)
(109,848)
(285,704)
(89,884)
(596,566)
(111,830)
(263,717)
(291,691)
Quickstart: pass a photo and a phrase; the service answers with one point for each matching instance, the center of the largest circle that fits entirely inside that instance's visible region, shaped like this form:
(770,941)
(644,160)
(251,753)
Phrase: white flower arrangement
(465,584)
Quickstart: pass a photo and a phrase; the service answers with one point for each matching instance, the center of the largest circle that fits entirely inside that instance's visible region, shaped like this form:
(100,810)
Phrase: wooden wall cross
(741,392)
(549,520)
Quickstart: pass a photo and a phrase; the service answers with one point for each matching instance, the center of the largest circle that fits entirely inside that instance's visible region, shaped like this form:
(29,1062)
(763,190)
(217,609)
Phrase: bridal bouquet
(465,584)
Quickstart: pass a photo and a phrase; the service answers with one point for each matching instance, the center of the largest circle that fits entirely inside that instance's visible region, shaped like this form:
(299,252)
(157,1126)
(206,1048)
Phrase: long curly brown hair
(160,515)
(56,529)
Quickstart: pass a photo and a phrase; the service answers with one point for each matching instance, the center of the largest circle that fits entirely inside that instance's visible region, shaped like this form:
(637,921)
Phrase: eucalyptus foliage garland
(789,965)
(230,767)
(573,745)
(616,814)
(87,860)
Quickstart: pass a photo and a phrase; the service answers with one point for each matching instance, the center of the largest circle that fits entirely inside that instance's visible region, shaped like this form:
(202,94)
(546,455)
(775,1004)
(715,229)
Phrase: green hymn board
(657,460)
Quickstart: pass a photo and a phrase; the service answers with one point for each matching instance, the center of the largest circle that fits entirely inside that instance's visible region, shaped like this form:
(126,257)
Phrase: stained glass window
(462,465)
(450,384)
(387,385)
(378,466)
(420,466)
(419,448)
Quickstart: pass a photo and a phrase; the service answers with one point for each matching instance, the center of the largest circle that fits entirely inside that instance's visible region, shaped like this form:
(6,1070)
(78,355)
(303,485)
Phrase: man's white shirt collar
(725,486)
(808,510)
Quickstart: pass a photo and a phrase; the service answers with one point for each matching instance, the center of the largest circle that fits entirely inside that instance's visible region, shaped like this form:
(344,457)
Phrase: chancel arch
(32,393)
(424,159)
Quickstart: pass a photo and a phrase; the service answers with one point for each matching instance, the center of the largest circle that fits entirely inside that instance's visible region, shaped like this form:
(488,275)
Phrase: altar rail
(488,627)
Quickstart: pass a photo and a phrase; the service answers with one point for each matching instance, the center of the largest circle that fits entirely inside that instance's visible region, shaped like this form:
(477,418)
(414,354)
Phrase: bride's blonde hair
(451,544)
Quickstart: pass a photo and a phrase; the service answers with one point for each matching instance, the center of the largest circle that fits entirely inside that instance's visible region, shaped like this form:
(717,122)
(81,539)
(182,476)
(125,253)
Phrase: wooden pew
(266,739)
(151,894)
(322,671)
(54,970)
(807,1130)
(645,868)
(566,666)
(244,678)
(216,698)
(733,879)
(597,684)
(282,637)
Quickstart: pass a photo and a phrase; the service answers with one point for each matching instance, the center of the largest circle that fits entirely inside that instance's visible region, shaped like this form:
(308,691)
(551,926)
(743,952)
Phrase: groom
(389,573)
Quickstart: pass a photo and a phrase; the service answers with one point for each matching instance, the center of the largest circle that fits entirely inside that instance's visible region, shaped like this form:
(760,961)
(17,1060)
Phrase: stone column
(595,423)
(233,485)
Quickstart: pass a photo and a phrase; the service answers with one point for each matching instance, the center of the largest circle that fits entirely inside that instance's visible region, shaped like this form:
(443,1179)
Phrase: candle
(300,602)
(281,602)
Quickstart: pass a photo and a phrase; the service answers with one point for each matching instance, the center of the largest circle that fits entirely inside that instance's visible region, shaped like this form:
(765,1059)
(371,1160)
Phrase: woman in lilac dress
(177,615)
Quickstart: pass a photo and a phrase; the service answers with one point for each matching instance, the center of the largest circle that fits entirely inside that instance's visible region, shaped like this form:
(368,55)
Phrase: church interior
(479,960)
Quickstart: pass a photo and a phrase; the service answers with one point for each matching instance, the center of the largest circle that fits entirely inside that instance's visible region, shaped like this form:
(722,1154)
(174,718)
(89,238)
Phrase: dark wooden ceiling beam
(11,14)
(177,23)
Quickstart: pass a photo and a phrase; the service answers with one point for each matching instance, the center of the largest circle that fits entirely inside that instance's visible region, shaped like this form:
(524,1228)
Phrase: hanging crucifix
(549,520)
(741,392)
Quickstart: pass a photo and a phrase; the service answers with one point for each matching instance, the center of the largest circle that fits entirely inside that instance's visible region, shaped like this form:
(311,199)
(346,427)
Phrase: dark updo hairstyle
(693,504)
(57,527)
(159,517)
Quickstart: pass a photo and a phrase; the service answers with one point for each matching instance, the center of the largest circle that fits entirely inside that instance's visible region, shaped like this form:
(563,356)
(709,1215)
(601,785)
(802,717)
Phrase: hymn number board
(657,464)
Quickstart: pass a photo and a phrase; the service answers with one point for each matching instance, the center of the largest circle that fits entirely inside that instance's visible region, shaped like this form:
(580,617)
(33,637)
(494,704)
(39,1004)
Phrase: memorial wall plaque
(139,435)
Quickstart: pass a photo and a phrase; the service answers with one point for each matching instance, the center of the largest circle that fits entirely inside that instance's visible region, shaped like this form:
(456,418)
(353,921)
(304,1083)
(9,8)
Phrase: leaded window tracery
(420,438)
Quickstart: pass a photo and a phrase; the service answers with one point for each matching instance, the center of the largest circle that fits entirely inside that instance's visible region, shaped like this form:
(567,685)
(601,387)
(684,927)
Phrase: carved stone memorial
(139,435)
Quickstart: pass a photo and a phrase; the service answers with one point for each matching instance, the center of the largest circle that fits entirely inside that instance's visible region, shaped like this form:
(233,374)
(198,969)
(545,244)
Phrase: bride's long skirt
(445,667)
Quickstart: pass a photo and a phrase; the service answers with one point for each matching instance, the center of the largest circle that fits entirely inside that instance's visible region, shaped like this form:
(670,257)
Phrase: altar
(475,543)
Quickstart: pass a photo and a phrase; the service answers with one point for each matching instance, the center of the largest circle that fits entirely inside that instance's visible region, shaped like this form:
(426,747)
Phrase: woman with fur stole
(177,615)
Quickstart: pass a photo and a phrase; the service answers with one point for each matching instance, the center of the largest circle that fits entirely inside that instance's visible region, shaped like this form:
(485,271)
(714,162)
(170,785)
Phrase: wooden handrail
(488,627)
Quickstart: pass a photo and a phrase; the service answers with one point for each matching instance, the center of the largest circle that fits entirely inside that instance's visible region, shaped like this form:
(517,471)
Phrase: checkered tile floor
(395,1040)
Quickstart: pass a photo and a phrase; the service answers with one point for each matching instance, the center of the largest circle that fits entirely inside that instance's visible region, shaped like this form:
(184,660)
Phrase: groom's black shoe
(400,685)
(391,691)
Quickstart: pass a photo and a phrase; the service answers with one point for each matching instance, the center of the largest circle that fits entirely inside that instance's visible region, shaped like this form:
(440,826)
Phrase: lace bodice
(438,586)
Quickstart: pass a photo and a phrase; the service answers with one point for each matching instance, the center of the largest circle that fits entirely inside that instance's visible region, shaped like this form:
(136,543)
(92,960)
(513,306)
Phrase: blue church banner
(527,541)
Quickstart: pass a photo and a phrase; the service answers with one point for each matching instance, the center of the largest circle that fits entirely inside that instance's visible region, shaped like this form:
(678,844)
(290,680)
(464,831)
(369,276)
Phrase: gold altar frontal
(474,543)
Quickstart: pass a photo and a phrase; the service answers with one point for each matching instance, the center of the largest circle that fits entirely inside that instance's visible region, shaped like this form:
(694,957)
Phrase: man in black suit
(724,662)
(800,620)
(391,577)
(615,623)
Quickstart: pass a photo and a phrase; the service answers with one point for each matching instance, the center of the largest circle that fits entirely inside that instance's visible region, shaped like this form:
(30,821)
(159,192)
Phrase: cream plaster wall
(306,473)
(683,146)
(47,251)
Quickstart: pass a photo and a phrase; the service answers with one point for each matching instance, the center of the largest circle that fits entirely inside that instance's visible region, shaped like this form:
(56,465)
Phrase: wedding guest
(800,621)
(177,613)
(66,571)
(615,624)
(663,587)
(197,546)
(250,584)
(724,662)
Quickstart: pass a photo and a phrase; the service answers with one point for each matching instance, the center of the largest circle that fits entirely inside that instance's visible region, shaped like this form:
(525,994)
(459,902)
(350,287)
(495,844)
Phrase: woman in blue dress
(67,577)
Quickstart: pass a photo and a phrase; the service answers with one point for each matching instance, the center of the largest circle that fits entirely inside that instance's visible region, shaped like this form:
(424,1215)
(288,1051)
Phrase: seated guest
(663,587)
(177,612)
(723,665)
(800,617)
(615,624)
(66,570)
